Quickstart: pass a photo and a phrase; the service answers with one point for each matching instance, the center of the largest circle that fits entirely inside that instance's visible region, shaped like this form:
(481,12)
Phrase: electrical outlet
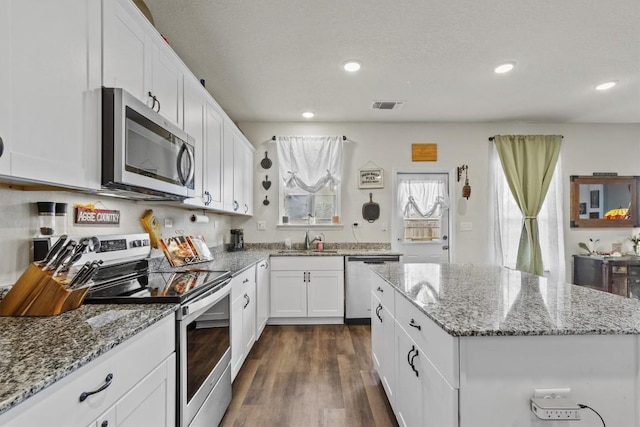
(466,226)
(168,222)
(261,225)
(555,409)
(552,393)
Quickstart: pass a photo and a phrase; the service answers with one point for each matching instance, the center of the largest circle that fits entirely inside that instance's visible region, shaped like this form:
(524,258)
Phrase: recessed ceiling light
(606,85)
(308,115)
(352,66)
(504,67)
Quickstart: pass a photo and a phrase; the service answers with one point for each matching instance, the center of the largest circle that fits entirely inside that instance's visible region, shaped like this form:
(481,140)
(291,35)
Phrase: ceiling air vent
(387,105)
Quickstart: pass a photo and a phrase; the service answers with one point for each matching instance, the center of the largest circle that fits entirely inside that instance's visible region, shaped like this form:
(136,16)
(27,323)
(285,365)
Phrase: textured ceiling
(272,60)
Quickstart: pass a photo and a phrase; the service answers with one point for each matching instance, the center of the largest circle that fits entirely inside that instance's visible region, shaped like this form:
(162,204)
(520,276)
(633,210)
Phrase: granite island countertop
(35,352)
(468,300)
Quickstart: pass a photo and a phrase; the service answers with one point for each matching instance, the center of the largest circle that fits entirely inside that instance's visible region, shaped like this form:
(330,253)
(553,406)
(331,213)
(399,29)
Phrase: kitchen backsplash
(19,223)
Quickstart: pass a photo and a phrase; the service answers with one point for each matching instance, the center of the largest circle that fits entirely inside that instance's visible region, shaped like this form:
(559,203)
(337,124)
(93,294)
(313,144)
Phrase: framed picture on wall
(371,178)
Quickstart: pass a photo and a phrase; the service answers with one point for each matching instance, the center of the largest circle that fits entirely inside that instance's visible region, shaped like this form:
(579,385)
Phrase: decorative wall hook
(466,189)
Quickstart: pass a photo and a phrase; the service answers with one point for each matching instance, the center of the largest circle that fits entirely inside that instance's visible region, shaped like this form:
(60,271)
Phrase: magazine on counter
(185,250)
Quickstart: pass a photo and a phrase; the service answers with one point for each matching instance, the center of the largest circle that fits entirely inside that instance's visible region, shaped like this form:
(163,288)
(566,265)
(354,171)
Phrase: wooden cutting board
(152,226)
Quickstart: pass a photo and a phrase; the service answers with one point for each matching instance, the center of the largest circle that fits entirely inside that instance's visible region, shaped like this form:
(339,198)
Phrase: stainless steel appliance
(144,155)
(237,240)
(358,286)
(202,325)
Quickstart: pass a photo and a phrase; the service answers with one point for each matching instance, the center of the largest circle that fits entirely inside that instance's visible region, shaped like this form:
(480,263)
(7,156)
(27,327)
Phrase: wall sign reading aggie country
(86,216)
(370,178)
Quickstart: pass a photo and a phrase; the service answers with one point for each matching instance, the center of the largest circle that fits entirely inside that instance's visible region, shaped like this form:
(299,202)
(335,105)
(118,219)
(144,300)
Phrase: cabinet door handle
(378,308)
(105,423)
(1,146)
(107,383)
(246,208)
(413,348)
(235,205)
(245,280)
(380,289)
(207,198)
(412,365)
(246,298)
(415,325)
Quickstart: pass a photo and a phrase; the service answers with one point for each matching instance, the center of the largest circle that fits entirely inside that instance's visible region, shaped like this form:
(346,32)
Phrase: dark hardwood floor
(306,376)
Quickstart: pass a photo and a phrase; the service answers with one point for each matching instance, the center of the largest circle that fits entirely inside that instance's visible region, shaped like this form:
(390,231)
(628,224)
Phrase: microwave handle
(191,171)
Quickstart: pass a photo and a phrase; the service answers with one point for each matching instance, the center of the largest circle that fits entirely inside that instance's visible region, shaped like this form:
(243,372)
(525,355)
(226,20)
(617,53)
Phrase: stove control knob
(136,243)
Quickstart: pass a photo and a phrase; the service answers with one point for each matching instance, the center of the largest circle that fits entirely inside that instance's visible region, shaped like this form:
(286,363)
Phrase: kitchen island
(472,343)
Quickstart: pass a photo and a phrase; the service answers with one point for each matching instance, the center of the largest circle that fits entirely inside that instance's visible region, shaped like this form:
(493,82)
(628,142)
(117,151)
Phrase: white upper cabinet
(213,157)
(242,174)
(194,108)
(5,88)
(124,52)
(166,83)
(138,60)
(229,203)
(50,81)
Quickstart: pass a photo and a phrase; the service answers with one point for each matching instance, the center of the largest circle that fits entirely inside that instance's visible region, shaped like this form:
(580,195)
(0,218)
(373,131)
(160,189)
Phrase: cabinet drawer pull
(107,383)
(415,325)
(378,308)
(245,280)
(246,298)
(380,289)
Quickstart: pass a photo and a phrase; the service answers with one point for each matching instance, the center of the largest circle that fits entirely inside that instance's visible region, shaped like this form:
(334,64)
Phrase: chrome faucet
(308,241)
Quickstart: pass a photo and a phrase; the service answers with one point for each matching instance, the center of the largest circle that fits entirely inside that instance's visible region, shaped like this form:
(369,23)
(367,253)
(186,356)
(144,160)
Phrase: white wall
(586,149)
(19,224)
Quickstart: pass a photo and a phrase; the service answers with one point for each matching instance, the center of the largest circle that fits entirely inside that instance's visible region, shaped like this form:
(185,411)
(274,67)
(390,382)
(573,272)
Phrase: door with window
(421,216)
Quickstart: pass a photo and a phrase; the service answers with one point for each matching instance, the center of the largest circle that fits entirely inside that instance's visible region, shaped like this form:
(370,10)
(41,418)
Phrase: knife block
(37,293)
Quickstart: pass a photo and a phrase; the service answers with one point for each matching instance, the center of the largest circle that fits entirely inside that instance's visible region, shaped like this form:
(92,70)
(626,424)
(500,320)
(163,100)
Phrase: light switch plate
(466,226)
(168,222)
(261,225)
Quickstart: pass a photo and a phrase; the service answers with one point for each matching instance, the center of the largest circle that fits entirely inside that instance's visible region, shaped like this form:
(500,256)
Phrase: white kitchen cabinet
(307,287)
(262,294)
(141,391)
(5,87)
(423,396)
(145,403)
(382,352)
(213,157)
(229,204)
(51,82)
(243,317)
(242,174)
(203,122)
(193,124)
(137,59)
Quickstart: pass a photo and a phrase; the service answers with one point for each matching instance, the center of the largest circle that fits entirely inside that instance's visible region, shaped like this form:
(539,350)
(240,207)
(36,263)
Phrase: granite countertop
(467,300)
(35,352)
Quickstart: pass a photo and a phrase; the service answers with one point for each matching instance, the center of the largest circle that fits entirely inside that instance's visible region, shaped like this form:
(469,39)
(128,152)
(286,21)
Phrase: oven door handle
(192,308)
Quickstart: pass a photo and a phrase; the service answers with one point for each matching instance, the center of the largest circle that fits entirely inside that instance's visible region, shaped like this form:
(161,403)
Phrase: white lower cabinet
(423,398)
(383,354)
(243,317)
(134,385)
(413,356)
(307,287)
(145,404)
(262,293)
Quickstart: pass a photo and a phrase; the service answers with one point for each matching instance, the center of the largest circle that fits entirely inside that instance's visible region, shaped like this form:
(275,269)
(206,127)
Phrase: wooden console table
(616,275)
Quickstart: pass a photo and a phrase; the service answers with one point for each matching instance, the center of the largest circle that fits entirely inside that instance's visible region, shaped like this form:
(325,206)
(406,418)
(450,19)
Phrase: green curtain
(528,162)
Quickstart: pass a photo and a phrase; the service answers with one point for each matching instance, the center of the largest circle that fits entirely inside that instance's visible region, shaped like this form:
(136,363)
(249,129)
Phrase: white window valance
(420,198)
(310,162)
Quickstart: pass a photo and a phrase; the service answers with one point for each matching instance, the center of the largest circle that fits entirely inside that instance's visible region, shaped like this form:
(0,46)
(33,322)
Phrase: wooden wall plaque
(424,152)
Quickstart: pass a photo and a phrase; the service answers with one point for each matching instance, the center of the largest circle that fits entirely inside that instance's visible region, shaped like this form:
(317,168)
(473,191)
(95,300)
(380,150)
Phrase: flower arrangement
(636,241)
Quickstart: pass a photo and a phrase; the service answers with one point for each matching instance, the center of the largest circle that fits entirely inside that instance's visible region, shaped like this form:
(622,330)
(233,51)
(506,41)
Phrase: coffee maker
(237,240)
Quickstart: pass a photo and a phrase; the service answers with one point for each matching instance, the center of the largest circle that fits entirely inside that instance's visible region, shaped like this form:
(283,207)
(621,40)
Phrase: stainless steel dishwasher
(358,285)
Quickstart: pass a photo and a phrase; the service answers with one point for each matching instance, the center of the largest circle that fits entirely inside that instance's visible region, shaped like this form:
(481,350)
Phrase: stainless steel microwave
(144,156)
